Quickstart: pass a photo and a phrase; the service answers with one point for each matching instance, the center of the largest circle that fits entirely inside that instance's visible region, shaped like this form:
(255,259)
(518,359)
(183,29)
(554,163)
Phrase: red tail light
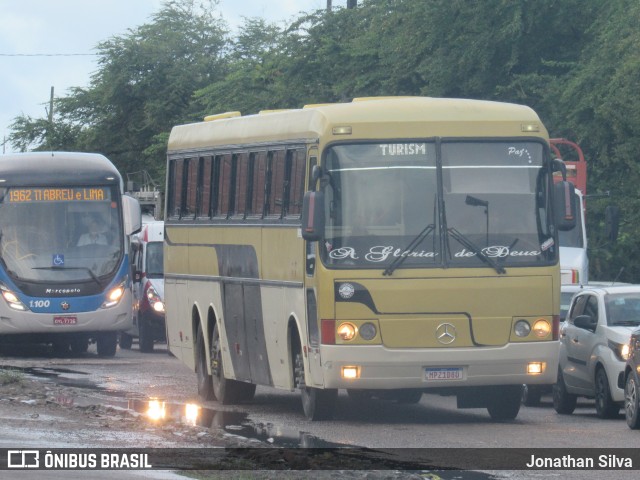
(328,332)
(555,327)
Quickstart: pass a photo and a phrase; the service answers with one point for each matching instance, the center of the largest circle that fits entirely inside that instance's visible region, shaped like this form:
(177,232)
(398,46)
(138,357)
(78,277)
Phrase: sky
(67,32)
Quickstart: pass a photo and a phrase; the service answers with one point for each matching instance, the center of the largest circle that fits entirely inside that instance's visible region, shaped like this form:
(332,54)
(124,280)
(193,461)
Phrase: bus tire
(563,402)
(505,401)
(107,343)
(205,387)
(126,341)
(317,404)
(225,390)
(145,337)
(605,406)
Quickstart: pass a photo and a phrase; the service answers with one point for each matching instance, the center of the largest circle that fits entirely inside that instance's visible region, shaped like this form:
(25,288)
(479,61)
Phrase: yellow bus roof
(369,118)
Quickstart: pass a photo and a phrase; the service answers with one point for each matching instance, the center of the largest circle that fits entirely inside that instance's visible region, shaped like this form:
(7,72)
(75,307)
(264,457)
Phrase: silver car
(594,346)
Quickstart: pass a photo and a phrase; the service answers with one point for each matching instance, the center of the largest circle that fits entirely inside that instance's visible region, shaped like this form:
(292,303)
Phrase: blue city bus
(65,274)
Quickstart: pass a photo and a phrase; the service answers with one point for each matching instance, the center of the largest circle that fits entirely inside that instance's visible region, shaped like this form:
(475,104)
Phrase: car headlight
(154,299)
(621,350)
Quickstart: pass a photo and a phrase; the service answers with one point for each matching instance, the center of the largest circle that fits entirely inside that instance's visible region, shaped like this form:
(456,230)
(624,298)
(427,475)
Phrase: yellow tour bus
(386,246)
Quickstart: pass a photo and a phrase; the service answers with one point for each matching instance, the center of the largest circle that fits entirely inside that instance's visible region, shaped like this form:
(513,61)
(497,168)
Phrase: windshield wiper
(410,248)
(93,275)
(475,249)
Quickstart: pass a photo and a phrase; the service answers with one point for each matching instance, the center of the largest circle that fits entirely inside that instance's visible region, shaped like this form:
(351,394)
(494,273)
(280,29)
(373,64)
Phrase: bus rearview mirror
(313,216)
(565,205)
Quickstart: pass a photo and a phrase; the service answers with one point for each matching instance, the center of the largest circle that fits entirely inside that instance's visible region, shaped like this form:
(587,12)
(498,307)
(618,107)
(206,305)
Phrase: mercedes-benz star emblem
(446,333)
(65,306)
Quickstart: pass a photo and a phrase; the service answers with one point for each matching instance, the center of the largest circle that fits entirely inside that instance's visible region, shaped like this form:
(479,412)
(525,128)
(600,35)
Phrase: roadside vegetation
(576,62)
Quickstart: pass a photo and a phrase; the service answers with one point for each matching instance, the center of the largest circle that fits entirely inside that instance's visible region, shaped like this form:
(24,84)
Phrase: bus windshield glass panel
(60,234)
(490,203)
(455,205)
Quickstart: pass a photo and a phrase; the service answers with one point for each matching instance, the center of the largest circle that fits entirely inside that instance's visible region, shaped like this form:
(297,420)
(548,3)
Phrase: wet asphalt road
(275,417)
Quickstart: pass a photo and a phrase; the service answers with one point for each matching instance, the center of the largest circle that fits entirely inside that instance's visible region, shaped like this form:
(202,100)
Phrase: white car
(594,345)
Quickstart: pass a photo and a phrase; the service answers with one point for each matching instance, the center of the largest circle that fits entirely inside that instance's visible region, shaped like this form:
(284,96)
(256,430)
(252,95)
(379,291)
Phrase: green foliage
(576,62)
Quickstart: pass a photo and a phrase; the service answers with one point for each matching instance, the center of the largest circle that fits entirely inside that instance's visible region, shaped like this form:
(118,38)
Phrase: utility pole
(329,6)
(50,125)
(352,3)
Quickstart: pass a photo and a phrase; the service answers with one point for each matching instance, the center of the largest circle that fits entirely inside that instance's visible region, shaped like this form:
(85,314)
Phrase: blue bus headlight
(114,295)
(12,299)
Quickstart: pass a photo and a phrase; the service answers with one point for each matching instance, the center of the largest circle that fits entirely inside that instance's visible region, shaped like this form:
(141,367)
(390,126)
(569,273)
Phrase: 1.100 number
(39,303)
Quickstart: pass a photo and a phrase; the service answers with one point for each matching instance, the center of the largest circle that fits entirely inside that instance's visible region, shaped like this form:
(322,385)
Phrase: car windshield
(60,235)
(623,309)
(154,260)
(458,204)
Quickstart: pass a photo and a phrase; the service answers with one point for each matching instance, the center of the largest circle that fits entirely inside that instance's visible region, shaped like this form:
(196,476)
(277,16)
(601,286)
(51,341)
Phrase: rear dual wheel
(216,386)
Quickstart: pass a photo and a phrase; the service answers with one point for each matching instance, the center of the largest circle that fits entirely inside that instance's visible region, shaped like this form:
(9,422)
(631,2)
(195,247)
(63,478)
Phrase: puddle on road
(236,423)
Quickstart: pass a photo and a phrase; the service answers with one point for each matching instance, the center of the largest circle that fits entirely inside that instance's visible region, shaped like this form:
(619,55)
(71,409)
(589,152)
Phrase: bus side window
(295,182)
(275,202)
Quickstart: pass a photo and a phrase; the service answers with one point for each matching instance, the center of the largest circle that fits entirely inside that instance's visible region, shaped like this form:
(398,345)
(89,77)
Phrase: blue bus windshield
(60,235)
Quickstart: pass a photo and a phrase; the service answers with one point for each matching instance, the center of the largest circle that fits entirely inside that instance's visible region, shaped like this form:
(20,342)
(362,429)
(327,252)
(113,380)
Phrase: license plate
(65,320)
(439,374)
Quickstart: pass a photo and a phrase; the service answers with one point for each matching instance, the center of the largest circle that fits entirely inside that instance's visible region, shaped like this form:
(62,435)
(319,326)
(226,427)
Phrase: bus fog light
(368,331)
(522,328)
(347,331)
(350,373)
(541,328)
(534,368)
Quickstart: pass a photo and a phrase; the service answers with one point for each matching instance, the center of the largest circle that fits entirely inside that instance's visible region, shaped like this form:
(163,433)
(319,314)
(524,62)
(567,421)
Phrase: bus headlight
(347,331)
(368,331)
(541,328)
(12,299)
(522,328)
(114,295)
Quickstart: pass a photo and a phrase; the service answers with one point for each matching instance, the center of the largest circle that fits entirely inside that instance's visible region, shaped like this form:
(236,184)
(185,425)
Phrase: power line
(48,54)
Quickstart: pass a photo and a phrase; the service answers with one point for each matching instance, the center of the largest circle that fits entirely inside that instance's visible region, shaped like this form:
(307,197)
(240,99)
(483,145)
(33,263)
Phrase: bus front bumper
(377,367)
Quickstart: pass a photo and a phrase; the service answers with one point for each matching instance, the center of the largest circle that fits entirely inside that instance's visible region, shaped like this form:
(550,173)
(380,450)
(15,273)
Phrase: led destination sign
(75,194)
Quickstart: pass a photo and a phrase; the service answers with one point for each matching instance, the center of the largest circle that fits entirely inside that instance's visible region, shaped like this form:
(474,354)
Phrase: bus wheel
(505,401)
(205,387)
(226,390)
(126,341)
(107,343)
(563,401)
(145,337)
(317,404)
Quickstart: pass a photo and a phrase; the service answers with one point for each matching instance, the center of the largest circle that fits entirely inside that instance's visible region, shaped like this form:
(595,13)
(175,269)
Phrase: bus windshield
(60,235)
(450,204)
